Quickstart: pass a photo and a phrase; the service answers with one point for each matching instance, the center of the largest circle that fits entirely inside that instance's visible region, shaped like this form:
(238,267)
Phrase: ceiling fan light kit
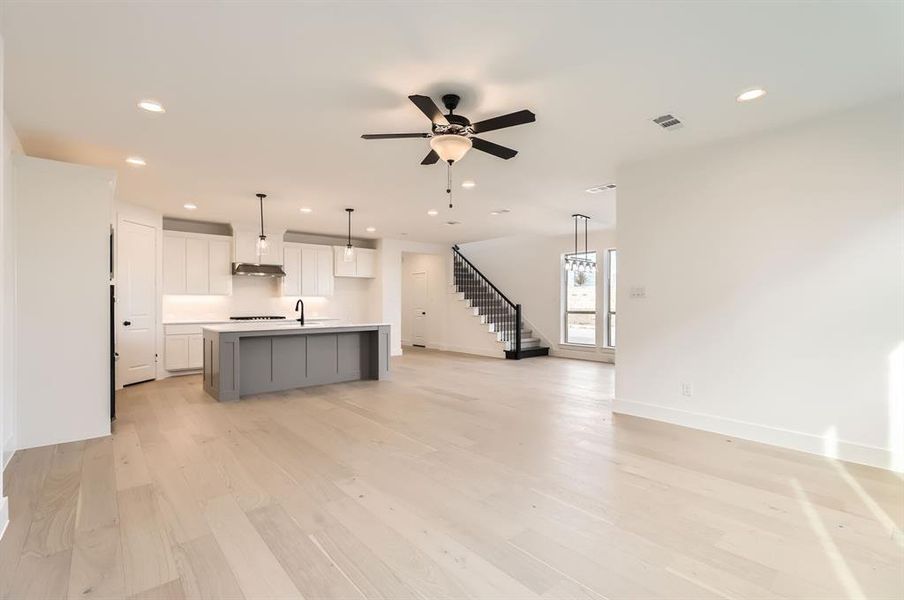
(450,147)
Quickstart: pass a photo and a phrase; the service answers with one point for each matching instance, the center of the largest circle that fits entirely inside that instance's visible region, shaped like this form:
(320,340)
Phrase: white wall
(63,214)
(7,302)
(10,147)
(774,276)
(528,269)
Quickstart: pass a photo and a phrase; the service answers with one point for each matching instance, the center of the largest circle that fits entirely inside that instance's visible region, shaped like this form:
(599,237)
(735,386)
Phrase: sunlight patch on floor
(839,565)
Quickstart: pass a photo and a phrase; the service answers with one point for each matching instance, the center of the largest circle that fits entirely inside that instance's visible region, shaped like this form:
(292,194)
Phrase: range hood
(258,270)
(246,258)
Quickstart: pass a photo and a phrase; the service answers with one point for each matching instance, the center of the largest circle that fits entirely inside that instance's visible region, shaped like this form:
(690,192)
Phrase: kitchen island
(241,359)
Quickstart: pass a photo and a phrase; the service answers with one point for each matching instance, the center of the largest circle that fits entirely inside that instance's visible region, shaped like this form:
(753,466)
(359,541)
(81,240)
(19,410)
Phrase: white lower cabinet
(309,270)
(183,347)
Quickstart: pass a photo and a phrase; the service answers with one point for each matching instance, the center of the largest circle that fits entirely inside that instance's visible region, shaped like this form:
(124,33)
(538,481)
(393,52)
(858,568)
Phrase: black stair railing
(502,313)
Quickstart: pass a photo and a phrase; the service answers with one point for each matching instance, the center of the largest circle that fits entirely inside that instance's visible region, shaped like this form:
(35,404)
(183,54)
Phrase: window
(580,306)
(610,308)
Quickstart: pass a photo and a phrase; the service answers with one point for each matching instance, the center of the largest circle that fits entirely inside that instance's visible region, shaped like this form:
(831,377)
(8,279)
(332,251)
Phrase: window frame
(610,313)
(566,311)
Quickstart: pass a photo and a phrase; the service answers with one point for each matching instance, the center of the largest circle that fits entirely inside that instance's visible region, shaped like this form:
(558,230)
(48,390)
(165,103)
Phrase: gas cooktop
(257,318)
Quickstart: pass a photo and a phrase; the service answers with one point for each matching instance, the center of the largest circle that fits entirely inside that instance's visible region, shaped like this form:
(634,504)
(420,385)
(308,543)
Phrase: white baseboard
(765,434)
(4,515)
(464,350)
(606,355)
(8,444)
(468,350)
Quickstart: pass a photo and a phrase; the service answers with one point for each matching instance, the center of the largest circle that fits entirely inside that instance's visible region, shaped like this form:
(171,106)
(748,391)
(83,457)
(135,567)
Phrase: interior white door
(136,302)
(419,287)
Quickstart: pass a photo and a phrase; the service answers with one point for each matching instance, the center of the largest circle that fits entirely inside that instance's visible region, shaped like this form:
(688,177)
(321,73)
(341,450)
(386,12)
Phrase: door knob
(423,313)
(126,323)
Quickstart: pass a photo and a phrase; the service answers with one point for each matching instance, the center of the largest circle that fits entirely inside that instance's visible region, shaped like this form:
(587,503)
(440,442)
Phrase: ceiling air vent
(598,189)
(668,122)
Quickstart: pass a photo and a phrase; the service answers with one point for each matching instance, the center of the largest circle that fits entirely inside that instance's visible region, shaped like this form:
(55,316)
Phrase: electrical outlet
(638,291)
(687,389)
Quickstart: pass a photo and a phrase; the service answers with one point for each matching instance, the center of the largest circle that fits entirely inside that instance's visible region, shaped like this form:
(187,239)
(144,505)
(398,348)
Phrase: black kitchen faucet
(299,306)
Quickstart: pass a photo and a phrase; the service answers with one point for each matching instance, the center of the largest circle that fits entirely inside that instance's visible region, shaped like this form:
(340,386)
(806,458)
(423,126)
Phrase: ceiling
(273,96)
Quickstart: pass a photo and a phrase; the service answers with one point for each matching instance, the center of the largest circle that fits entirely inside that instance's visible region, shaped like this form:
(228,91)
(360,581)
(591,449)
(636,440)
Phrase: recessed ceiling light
(432,212)
(151,106)
(190,206)
(306,210)
(370,229)
(751,94)
(494,212)
(468,184)
(136,161)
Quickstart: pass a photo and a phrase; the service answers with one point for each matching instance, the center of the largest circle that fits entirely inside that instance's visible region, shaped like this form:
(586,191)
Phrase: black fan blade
(431,158)
(392,136)
(510,120)
(494,149)
(429,108)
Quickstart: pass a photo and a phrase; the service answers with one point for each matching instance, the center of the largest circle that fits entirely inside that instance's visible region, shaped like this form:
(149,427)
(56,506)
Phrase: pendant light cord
(575,235)
(585,238)
(261,198)
(349,243)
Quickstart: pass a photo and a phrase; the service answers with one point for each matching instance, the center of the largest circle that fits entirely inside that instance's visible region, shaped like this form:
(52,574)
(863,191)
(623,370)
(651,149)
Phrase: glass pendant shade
(349,254)
(263,246)
(450,147)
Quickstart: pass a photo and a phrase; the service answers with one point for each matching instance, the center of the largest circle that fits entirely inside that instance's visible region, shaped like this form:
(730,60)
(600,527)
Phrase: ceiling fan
(452,135)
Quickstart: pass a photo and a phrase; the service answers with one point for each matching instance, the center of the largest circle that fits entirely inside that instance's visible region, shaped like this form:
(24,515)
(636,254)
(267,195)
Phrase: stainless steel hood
(257,270)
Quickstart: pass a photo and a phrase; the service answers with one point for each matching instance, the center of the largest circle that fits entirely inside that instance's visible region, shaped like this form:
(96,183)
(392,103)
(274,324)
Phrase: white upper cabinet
(363,264)
(291,283)
(246,248)
(344,268)
(220,267)
(173,264)
(309,270)
(366,260)
(196,264)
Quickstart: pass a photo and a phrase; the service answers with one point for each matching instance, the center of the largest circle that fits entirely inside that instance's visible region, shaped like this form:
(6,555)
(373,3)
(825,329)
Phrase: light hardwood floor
(460,477)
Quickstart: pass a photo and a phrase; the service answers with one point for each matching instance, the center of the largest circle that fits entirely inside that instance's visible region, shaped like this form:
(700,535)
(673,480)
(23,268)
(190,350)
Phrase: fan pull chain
(449,181)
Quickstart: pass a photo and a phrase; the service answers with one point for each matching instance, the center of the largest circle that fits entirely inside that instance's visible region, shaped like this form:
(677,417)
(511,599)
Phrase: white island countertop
(261,326)
(219,321)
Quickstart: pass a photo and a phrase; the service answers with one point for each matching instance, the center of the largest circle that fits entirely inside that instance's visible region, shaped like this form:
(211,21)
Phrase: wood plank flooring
(460,477)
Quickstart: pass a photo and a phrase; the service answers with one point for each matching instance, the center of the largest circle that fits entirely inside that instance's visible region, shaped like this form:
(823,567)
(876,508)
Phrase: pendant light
(263,246)
(580,262)
(349,254)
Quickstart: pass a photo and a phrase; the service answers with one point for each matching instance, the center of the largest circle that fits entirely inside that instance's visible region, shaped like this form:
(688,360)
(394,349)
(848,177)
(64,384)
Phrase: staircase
(502,316)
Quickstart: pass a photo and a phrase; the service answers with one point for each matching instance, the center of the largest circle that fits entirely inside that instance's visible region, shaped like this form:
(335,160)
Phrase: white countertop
(235,327)
(218,321)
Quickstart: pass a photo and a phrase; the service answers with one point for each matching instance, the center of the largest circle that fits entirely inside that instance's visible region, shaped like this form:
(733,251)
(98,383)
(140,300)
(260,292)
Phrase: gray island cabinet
(251,358)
